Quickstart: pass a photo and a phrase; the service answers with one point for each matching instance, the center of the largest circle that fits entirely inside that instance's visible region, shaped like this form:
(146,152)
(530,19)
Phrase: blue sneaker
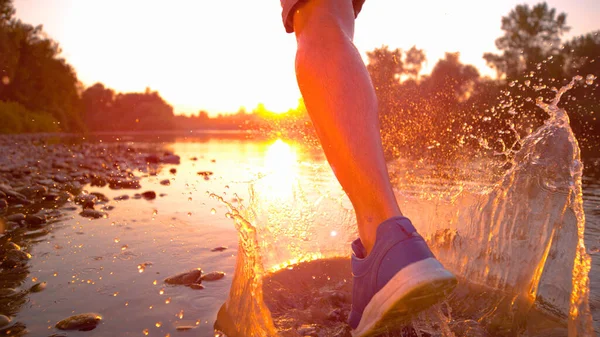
(399,278)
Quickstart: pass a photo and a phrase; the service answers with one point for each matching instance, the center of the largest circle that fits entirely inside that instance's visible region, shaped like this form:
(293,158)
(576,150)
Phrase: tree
(530,36)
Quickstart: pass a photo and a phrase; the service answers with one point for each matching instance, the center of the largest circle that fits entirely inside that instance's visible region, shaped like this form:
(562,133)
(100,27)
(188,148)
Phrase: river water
(283,225)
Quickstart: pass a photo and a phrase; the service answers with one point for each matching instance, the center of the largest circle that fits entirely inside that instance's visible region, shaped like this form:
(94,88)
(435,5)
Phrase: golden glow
(281,171)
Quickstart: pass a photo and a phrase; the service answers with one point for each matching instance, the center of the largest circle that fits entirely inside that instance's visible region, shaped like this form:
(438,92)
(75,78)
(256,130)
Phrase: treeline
(438,115)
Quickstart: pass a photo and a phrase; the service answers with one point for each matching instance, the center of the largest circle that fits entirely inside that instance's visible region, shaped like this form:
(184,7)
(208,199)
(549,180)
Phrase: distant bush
(15,118)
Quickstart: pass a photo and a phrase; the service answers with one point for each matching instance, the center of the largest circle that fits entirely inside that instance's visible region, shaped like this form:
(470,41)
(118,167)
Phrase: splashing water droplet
(162,291)
(168,300)
(589,79)
(190,199)
(146,332)
(512,84)
(180,314)
(527,83)
(154,212)
(189,213)
(158,324)
(213,211)
(117,240)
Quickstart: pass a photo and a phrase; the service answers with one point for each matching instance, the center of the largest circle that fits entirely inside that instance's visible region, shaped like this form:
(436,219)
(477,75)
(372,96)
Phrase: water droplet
(117,240)
(115,294)
(124,247)
(155,212)
(158,324)
(589,79)
(180,314)
(34,279)
(512,84)
(154,282)
(527,82)
(146,332)
(162,291)
(190,199)
(168,300)
(189,213)
(213,211)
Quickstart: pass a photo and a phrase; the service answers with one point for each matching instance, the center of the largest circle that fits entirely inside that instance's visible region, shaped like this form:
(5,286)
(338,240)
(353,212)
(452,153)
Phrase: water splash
(513,239)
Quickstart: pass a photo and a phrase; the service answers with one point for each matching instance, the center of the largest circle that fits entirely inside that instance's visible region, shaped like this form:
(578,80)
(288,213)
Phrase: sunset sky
(219,55)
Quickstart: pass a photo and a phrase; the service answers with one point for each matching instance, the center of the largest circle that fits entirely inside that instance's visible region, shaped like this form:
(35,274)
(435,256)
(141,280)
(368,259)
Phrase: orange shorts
(288,11)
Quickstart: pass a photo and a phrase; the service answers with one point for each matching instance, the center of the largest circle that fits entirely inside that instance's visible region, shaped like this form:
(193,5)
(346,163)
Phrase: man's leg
(341,102)
(395,274)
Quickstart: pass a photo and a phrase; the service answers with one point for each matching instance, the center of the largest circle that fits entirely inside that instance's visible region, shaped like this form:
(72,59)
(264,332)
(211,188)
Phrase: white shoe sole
(412,290)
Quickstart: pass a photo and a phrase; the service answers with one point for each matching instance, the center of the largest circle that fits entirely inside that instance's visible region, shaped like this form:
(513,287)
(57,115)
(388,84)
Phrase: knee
(324,21)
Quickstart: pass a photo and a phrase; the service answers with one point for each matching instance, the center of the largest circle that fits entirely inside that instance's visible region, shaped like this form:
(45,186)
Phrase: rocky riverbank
(44,178)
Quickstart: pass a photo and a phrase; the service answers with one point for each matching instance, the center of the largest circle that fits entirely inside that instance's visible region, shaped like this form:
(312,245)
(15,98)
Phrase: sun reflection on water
(281,171)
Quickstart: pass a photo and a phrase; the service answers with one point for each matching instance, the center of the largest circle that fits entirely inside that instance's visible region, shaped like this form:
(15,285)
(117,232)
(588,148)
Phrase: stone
(86,201)
(108,208)
(99,196)
(35,220)
(81,322)
(137,196)
(187,278)
(4,321)
(3,204)
(17,217)
(196,286)
(165,182)
(152,159)
(59,178)
(173,170)
(171,159)
(99,181)
(218,249)
(93,214)
(213,276)
(36,288)
(149,195)
(14,258)
(121,197)
(33,191)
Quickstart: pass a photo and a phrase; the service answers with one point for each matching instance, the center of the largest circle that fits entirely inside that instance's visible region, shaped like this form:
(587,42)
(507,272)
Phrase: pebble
(171,159)
(122,197)
(137,196)
(99,196)
(91,213)
(173,170)
(218,249)
(5,292)
(35,220)
(213,276)
(14,258)
(3,204)
(81,322)
(187,278)
(36,288)
(149,195)
(17,217)
(86,201)
(4,321)
(165,182)
(196,286)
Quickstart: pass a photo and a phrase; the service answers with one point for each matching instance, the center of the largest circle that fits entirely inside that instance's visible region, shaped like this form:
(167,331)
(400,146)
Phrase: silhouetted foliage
(33,75)
(530,36)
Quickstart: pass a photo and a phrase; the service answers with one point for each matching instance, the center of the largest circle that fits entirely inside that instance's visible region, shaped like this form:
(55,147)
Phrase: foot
(399,278)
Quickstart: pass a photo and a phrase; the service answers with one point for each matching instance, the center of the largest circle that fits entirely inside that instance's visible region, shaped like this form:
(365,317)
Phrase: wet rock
(35,220)
(5,292)
(187,278)
(10,225)
(93,214)
(121,197)
(173,170)
(152,159)
(61,178)
(81,322)
(117,184)
(218,249)
(162,195)
(165,182)
(99,196)
(86,201)
(171,159)
(137,196)
(46,182)
(149,195)
(17,217)
(194,158)
(205,173)
(33,191)
(3,204)
(99,181)
(4,321)
(185,327)
(50,197)
(213,276)
(108,208)
(196,286)
(14,258)
(36,288)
